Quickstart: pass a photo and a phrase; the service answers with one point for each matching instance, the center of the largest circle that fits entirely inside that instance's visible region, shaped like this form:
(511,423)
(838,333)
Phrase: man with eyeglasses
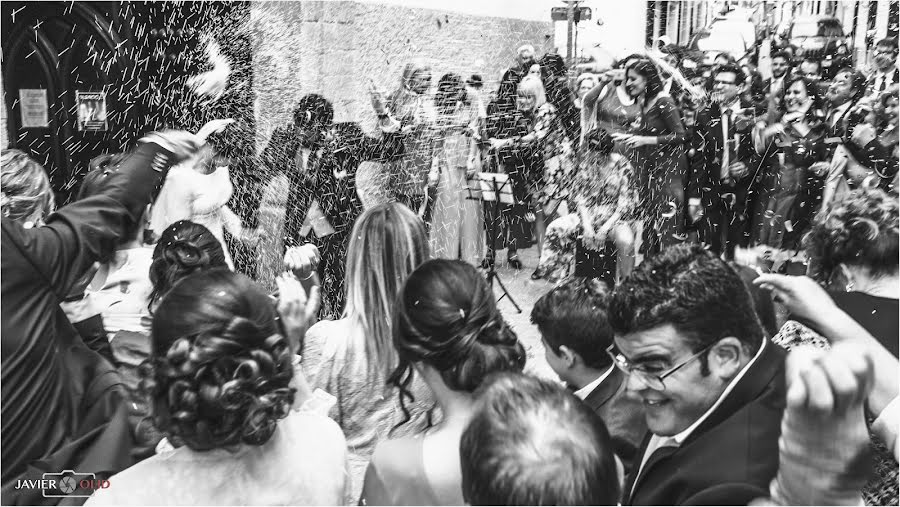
(711,382)
(886,72)
(723,173)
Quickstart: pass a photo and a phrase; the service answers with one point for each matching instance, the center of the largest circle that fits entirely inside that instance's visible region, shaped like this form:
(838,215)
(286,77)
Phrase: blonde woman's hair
(388,242)
(532,86)
(26,194)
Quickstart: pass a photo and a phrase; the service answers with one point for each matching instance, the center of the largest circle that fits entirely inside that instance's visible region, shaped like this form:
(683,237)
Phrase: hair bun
(187,254)
(491,348)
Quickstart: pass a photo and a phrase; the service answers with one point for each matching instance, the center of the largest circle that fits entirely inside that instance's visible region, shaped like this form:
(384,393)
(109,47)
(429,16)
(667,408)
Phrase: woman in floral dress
(604,199)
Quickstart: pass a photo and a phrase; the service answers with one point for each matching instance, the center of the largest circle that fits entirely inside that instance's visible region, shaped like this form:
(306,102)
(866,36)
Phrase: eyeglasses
(652,380)
(729,83)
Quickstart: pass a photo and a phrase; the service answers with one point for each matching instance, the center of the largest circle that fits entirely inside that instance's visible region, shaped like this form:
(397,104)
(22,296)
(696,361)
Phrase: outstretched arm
(88,230)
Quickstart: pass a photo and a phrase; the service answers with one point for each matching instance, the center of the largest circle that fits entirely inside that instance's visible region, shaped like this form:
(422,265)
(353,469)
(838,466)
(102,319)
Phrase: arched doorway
(65,48)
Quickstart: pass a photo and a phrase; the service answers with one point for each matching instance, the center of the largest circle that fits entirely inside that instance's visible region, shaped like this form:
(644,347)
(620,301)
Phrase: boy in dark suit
(575,334)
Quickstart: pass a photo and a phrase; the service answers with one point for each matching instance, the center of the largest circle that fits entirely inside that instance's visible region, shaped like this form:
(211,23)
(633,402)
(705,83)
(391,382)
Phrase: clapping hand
(738,170)
(302,260)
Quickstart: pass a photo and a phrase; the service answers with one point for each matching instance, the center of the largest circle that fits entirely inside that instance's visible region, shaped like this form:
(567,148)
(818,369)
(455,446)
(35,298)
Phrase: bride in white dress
(199,190)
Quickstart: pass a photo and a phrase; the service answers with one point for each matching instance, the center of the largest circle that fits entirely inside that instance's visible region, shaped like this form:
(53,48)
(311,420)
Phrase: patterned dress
(546,134)
(458,220)
(600,189)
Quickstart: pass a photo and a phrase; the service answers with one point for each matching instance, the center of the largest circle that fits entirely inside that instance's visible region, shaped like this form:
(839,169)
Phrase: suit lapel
(606,390)
(755,381)
(659,455)
(769,364)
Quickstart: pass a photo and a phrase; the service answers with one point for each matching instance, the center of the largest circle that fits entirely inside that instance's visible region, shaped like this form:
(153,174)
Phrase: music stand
(495,188)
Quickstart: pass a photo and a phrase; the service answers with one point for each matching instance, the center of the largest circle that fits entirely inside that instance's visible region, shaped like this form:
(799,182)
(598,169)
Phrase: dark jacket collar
(606,390)
(760,375)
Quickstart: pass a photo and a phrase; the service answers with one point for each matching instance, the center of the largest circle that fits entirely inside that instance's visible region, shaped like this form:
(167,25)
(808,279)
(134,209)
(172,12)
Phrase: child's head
(574,327)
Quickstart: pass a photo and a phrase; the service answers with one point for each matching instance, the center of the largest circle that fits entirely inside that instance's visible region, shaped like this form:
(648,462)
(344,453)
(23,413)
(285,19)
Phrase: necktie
(726,149)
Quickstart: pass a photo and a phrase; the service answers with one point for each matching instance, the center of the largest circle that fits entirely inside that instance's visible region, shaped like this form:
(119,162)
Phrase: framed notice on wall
(91,111)
(34,108)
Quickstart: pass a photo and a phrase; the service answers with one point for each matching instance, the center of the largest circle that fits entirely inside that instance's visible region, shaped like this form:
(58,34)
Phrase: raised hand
(297,312)
(801,295)
(302,260)
(180,143)
(211,85)
(213,127)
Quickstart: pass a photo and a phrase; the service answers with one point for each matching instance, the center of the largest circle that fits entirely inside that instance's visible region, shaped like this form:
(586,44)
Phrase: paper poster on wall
(34,108)
(91,111)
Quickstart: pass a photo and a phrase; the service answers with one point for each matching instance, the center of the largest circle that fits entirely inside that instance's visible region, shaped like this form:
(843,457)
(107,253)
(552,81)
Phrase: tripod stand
(494,192)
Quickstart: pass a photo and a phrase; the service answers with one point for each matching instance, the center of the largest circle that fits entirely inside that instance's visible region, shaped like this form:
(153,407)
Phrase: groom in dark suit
(575,334)
(320,158)
(726,168)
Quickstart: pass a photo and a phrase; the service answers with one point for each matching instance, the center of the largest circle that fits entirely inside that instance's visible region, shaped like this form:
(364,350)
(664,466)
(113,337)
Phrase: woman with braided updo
(220,384)
(448,330)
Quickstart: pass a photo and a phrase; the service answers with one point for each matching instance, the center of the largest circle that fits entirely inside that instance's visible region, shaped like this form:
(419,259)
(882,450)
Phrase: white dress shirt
(837,113)
(588,389)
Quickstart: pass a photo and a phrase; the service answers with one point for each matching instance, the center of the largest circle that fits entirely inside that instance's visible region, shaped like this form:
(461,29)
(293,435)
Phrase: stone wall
(335,48)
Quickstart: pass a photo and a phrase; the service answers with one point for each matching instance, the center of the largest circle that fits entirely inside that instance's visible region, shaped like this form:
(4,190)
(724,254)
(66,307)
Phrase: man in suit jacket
(58,413)
(726,168)
(576,333)
(885,72)
(847,85)
(712,384)
(781,67)
(320,159)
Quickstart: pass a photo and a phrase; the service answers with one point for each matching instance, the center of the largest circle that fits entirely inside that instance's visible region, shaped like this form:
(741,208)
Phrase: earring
(849,287)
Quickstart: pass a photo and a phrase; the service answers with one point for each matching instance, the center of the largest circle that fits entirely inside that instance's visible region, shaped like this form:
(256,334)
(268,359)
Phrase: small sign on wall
(91,111)
(34,108)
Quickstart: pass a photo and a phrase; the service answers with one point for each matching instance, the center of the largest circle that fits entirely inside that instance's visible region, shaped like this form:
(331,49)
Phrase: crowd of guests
(369,362)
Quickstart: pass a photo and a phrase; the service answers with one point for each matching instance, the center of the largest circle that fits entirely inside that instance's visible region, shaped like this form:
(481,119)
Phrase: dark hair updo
(219,371)
(445,316)
(184,248)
